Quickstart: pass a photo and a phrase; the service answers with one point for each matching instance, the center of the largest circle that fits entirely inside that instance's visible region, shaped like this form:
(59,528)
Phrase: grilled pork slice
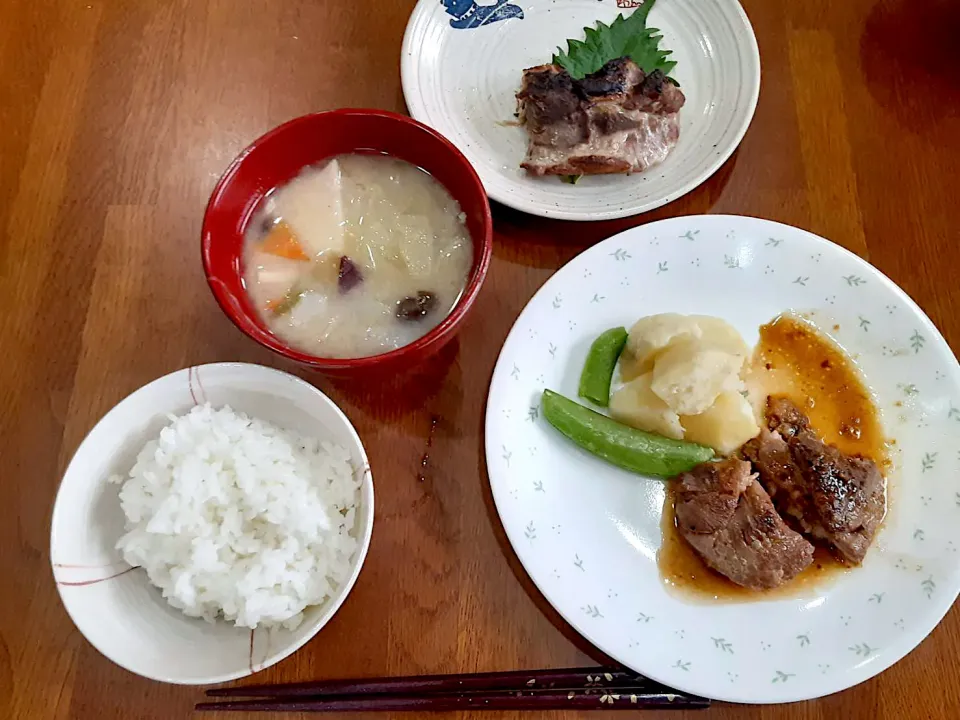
(617,120)
(724,513)
(835,498)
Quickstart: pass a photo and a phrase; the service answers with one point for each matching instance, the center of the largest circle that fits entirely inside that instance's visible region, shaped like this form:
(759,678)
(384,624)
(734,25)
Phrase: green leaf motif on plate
(682,665)
(953,414)
(530,531)
(804,640)
(908,390)
(592,611)
(533,413)
(801,280)
(854,280)
(662,267)
(620,255)
(929,460)
(928,586)
(722,645)
(862,650)
(773,242)
(877,598)
(864,323)
(782,677)
(732,262)
(690,235)
(916,341)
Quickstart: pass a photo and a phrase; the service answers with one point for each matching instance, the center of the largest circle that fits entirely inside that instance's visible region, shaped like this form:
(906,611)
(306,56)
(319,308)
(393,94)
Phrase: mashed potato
(649,336)
(726,425)
(683,379)
(689,375)
(635,404)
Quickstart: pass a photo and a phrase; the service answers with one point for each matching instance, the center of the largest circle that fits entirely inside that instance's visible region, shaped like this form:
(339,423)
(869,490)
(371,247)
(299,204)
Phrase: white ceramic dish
(114,606)
(462,62)
(588,533)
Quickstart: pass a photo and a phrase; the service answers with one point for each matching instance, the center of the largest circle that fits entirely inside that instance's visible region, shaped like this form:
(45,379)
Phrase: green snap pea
(635,450)
(598,369)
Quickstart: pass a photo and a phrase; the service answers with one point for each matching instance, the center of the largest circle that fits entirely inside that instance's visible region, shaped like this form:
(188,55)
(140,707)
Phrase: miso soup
(358,256)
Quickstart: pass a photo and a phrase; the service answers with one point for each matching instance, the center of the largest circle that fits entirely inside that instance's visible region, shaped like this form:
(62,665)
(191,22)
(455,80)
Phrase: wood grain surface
(117,117)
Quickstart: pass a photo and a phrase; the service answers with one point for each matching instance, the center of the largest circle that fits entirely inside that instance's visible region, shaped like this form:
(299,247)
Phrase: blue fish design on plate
(467,14)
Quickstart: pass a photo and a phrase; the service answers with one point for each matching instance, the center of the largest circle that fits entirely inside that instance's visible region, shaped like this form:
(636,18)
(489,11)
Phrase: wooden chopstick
(567,678)
(574,688)
(594,699)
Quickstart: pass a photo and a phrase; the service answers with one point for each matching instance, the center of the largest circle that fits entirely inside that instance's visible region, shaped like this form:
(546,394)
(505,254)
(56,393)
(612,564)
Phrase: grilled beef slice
(728,518)
(835,498)
(616,120)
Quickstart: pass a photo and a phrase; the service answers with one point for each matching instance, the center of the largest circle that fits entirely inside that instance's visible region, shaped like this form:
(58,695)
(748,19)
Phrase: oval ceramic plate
(462,63)
(588,533)
(115,606)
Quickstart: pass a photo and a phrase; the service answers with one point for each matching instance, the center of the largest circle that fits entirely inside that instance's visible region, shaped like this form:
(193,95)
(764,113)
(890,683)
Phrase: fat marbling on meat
(616,120)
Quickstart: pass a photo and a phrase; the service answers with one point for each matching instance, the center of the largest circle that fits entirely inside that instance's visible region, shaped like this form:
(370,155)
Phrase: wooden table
(117,117)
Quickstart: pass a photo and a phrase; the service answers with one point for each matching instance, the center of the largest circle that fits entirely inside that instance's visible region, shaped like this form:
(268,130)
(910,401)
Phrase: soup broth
(357,257)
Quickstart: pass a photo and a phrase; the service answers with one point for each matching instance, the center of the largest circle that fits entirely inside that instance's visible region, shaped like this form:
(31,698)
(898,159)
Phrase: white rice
(235,518)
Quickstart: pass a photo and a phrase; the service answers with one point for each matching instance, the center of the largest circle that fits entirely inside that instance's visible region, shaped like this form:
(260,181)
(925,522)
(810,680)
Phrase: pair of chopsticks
(574,688)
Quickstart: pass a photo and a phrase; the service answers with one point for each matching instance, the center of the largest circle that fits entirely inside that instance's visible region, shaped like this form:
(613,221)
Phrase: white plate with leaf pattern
(588,533)
(462,62)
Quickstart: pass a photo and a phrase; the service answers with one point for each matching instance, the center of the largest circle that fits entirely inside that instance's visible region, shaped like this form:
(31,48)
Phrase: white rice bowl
(234,518)
(117,608)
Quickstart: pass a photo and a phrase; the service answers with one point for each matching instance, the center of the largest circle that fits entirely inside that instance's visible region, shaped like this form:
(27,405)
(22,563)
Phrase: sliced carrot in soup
(282,242)
(281,306)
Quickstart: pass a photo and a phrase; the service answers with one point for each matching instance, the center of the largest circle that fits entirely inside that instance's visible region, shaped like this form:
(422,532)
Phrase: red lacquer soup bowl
(278,157)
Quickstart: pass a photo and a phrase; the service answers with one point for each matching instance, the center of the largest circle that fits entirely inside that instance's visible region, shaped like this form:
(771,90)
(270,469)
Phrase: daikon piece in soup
(356,257)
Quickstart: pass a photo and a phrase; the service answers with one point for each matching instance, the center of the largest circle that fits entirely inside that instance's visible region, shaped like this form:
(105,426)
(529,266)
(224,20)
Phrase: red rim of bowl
(422,345)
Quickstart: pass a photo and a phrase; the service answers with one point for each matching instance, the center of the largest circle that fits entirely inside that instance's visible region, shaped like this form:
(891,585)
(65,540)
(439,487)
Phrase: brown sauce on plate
(793,359)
